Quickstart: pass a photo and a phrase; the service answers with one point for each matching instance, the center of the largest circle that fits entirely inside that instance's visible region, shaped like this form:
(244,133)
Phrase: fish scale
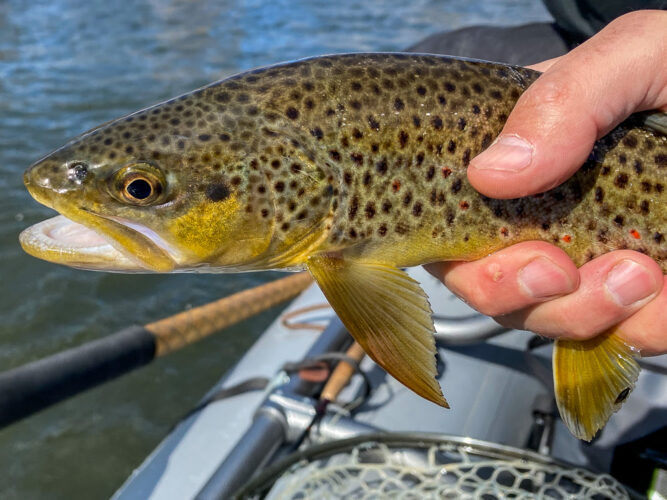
(354,166)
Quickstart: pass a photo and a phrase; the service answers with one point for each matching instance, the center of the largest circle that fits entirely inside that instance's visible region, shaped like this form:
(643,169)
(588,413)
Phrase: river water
(66,66)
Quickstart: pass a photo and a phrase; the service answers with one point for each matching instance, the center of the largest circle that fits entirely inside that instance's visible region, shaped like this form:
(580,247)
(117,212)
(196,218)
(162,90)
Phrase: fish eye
(139,189)
(139,184)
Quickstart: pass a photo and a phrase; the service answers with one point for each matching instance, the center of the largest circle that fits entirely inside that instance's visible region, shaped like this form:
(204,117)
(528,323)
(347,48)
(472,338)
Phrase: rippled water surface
(66,66)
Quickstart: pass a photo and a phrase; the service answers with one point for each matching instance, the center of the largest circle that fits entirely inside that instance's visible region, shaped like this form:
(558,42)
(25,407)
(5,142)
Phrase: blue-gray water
(67,65)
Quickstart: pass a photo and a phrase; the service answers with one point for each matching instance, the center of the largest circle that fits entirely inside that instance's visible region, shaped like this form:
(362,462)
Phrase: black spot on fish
(407,198)
(449,87)
(370,210)
(437,123)
(420,158)
(372,123)
(621,181)
(317,133)
(496,94)
(661,160)
(421,90)
(334,155)
(224,137)
(382,230)
(599,194)
(456,186)
(644,207)
(386,206)
(417,209)
(367,179)
(402,138)
(451,147)
(430,173)
(416,121)
(630,142)
(658,237)
(279,186)
(466,157)
(357,158)
(619,220)
(398,104)
(381,166)
(478,89)
(292,113)
(461,123)
(442,100)
(486,140)
(204,137)
(217,192)
(223,97)
(347,177)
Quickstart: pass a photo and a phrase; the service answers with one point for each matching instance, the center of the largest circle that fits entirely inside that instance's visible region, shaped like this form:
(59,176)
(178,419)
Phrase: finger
(647,328)
(510,279)
(612,288)
(555,123)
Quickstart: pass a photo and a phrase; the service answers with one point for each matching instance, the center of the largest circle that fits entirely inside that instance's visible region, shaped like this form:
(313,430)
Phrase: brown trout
(353,167)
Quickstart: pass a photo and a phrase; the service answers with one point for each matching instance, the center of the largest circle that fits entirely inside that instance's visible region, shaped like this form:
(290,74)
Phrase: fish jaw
(63,241)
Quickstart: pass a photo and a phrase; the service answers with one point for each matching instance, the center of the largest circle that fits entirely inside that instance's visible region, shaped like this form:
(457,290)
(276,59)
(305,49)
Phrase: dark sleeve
(581,19)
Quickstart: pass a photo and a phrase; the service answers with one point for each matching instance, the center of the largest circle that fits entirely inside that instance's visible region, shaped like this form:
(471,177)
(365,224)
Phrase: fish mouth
(97,243)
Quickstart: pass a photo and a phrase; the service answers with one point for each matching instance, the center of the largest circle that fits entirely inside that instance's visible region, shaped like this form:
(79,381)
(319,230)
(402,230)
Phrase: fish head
(142,198)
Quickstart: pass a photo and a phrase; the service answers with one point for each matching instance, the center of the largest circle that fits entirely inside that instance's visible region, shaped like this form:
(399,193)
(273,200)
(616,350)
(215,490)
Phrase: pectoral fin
(388,313)
(592,379)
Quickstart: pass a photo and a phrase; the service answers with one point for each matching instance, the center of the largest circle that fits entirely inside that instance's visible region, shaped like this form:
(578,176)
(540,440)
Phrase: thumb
(579,98)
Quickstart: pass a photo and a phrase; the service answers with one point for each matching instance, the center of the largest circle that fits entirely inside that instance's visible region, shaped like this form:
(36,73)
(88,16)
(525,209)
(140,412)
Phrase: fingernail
(541,278)
(629,282)
(509,153)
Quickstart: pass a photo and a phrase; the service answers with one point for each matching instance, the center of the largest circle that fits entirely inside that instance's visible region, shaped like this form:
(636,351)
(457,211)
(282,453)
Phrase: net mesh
(373,470)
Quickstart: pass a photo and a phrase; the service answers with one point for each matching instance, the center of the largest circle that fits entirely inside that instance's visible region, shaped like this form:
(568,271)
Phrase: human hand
(580,97)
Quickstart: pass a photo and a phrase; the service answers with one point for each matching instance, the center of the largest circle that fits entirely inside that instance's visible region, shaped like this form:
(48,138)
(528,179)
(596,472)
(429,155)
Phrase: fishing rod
(34,386)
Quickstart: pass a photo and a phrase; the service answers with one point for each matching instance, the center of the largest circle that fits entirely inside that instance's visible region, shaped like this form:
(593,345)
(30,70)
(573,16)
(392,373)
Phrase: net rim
(265,479)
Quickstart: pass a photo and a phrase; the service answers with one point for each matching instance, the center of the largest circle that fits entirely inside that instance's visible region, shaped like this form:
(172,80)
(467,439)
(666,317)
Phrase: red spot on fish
(504,231)
(464,205)
(446,172)
(396,185)
(567,238)
(635,234)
